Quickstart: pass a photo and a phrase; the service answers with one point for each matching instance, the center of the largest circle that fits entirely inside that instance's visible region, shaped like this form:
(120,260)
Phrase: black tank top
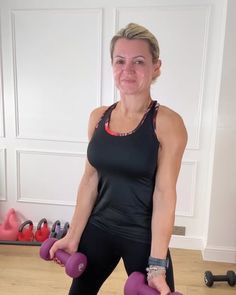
(126,166)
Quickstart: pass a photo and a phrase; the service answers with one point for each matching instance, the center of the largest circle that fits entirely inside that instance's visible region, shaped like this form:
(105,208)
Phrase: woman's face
(133,68)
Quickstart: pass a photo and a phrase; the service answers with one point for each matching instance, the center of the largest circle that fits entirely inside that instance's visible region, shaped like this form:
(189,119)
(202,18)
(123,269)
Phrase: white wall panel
(2,122)
(48,177)
(57,71)
(3,175)
(1,115)
(186,189)
(182,33)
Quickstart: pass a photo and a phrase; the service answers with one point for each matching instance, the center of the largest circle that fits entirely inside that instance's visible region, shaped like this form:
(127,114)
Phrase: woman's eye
(139,62)
(120,62)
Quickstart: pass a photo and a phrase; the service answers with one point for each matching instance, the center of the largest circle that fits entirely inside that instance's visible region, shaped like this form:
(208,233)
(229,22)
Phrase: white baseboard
(185,242)
(219,254)
(209,253)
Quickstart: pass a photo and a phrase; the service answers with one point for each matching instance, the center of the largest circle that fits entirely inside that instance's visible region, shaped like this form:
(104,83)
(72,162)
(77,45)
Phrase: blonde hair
(135,31)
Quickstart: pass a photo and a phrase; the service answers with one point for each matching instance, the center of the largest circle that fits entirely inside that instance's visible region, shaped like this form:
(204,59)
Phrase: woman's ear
(157,69)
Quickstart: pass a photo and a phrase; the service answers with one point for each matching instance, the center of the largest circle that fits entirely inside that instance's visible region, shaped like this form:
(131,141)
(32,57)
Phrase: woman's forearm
(86,198)
(162,223)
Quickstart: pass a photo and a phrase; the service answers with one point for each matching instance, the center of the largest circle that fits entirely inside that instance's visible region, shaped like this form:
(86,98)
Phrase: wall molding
(3,159)
(2,123)
(42,201)
(22,199)
(98,99)
(192,185)
(219,254)
(186,242)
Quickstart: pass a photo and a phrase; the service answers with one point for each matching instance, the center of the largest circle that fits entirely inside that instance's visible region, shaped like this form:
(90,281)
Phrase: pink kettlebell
(9,227)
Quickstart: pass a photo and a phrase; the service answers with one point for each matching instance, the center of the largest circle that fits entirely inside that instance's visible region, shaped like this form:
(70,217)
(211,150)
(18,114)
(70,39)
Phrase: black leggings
(104,251)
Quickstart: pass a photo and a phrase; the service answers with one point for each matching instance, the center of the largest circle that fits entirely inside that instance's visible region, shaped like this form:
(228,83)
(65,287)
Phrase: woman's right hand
(66,244)
(159,283)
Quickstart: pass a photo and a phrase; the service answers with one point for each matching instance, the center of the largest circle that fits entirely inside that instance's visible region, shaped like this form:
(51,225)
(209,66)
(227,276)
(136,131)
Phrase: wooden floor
(22,272)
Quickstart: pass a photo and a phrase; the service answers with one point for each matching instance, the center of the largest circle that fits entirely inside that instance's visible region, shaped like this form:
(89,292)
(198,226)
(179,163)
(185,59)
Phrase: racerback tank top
(126,166)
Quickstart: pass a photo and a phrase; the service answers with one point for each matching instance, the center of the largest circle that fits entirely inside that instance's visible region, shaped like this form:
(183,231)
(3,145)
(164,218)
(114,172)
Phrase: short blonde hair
(135,31)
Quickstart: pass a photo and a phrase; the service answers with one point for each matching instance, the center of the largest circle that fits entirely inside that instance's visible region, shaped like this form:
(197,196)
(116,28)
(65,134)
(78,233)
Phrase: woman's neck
(129,105)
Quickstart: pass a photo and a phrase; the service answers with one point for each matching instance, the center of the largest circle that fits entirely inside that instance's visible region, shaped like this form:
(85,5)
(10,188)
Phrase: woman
(127,196)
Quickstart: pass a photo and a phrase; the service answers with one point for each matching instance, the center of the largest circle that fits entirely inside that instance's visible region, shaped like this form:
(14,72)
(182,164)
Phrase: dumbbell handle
(62,256)
(220,278)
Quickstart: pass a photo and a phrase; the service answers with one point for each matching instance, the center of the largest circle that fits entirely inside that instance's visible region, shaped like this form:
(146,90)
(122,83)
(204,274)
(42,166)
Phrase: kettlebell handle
(21,227)
(55,226)
(41,222)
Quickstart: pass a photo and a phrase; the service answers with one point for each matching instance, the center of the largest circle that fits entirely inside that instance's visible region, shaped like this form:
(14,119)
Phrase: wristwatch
(158,262)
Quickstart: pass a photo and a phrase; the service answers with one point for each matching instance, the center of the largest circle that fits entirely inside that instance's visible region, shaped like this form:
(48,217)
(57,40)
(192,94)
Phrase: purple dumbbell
(75,264)
(136,285)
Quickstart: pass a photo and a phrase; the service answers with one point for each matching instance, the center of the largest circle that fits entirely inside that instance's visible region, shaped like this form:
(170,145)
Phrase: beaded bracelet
(154,271)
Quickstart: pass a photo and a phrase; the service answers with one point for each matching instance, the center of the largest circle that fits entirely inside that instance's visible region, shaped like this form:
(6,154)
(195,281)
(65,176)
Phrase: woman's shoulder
(98,112)
(168,117)
(95,117)
(167,113)
(169,124)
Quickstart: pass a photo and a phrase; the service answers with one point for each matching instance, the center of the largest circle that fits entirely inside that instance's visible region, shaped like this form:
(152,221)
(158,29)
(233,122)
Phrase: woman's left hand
(159,283)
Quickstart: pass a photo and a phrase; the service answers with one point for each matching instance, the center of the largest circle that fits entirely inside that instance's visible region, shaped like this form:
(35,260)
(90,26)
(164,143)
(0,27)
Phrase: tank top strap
(154,107)
(154,112)
(106,114)
(151,112)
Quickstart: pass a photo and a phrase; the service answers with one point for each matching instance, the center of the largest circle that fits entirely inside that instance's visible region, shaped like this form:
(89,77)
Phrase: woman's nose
(128,67)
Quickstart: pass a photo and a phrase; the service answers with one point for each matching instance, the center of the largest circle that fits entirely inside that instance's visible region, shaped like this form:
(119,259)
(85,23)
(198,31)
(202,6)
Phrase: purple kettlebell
(136,285)
(75,264)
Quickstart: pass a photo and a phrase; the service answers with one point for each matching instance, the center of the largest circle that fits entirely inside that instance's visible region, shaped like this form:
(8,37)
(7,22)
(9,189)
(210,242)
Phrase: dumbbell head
(136,285)
(208,278)
(75,264)
(231,278)
(45,248)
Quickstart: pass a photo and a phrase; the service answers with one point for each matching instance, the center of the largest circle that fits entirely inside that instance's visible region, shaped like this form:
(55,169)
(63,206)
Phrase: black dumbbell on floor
(230,277)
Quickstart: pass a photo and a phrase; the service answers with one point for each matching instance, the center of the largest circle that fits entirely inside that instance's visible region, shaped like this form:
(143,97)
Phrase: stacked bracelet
(156,267)
(154,271)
